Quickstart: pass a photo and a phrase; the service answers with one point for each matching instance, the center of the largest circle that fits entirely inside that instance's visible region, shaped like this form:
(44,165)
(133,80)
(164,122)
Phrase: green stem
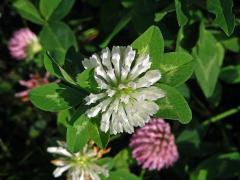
(142,173)
(222,115)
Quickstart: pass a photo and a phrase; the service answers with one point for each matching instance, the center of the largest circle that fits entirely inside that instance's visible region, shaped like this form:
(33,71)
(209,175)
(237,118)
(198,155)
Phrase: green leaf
(184,90)
(181,11)
(84,129)
(220,166)
(62,10)
(83,78)
(189,141)
(121,174)
(161,14)
(86,80)
(127,3)
(189,136)
(230,74)
(180,37)
(123,159)
(28,11)
(151,42)
(55,97)
(55,69)
(216,97)
(57,37)
(173,105)
(107,162)
(120,25)
(63,118)
(78,135)
(209,55)
(232,44)
(176,68)
(224,15)
(99,137)
(47,7)
(51,66)
(73,62)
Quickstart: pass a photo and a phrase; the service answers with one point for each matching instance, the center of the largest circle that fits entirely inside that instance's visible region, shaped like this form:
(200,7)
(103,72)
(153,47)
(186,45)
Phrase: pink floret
(154,145)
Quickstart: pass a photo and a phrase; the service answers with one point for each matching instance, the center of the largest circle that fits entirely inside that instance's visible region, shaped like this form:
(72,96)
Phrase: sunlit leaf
(176,68)
(55,97)
(209,55)
(151,42)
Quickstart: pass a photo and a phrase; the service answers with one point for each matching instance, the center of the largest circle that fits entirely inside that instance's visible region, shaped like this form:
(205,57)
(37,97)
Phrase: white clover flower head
(127,92)
(81,165)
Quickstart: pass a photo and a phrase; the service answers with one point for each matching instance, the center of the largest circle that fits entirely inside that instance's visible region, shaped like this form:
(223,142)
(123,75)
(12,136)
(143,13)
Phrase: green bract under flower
(33,48)
(128,95)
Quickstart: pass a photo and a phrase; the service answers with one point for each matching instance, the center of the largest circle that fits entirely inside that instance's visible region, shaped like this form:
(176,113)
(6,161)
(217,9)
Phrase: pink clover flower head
(34,81)
(24,43)
(154,145)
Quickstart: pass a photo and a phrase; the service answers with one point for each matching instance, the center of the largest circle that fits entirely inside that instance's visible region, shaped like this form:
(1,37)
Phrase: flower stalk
(221,116)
